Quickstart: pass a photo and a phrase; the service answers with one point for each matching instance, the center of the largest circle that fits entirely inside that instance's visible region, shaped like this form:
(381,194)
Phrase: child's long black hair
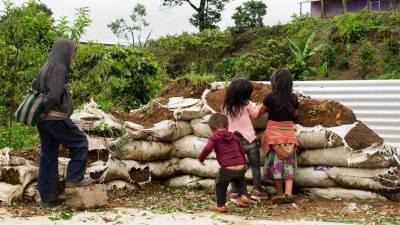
(237,95)
(282,87)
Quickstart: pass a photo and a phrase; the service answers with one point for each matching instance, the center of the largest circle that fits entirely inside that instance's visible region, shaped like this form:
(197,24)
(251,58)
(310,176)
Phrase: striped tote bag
(29,110)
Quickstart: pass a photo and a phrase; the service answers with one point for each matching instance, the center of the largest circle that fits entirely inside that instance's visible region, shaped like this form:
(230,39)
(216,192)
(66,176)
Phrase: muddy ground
(163,200)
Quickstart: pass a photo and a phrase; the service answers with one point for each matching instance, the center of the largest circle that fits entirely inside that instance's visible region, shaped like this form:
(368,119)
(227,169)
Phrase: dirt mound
(146,116)
(183,88)
(215,99)
(361,137)
(33,154)
(327,113)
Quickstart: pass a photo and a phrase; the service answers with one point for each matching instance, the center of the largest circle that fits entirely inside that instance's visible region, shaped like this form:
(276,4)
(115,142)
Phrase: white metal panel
(375,102)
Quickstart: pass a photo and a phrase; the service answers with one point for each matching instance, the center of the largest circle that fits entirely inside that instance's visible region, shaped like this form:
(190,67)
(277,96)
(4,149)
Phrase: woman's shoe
(218,209)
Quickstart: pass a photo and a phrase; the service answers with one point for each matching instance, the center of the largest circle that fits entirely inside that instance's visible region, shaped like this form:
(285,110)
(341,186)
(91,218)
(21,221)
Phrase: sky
(163,20)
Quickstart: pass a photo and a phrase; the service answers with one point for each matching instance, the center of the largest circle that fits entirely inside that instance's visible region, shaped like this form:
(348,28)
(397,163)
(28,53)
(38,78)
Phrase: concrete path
(142,217)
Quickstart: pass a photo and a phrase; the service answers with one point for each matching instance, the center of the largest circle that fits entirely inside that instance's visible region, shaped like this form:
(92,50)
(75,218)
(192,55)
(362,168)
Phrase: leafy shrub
(18,136)
(392,45)
(367,57)
(178,53)
(394,75)
(117,76)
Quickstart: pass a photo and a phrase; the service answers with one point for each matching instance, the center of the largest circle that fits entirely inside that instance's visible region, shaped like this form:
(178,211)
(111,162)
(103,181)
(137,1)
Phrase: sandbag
(187,108)
(134,131)
(120,185)
(100,143)
(31,192)
(190,147)
(145,151)
(200,127)
(10,193)
(169,130)
(114,169)
(183,181)
(313,177)
(193,167)
(7,159)
(22,175)
(317,137)
(164,169)
(341,193)
(343,157)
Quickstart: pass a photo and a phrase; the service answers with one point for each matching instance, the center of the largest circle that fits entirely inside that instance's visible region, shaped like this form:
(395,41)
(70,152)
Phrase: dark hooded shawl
(53,76)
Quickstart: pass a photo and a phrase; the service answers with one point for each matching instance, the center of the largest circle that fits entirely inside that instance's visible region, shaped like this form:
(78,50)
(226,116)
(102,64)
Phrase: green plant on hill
(301,67)
(198,79)
(120,77)
(367,58)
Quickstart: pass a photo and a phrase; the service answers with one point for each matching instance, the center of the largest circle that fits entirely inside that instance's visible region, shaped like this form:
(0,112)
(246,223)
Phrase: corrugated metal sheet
(375,102)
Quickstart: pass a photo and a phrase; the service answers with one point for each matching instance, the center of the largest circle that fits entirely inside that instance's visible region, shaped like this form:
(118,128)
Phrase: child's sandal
(218,209)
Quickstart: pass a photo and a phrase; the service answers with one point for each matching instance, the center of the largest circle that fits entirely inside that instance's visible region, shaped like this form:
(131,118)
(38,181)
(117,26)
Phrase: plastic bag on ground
(190,147)
(341,193)
(120,185)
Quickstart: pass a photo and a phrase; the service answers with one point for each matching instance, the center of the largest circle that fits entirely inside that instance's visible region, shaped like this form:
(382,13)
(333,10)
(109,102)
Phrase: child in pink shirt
(240,110)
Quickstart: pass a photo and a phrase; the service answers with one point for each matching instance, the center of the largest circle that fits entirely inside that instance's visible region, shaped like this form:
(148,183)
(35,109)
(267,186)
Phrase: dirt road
(142,217)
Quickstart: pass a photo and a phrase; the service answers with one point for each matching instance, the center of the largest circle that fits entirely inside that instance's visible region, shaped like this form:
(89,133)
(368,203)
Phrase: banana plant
(301,66)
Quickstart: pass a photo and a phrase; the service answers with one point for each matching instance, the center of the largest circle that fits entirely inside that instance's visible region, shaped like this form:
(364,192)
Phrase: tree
(75,30)
(128,31)
(208,12)
(250,15)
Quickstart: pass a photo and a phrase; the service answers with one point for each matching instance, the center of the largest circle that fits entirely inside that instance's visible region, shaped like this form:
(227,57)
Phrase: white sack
(134,131)
(62,167)
(317,137)
(200,127)
(169,130)
(115,169)
(10,193)
(343,157)
(146,151)
(193,167)
(341,193)
(164,169)
(23,175)
(190,147)
(313,177)
(183,181)
(31,192)
(187,108)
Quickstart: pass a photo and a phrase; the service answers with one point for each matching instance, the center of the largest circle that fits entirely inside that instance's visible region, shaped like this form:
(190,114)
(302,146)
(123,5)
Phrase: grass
(18,136)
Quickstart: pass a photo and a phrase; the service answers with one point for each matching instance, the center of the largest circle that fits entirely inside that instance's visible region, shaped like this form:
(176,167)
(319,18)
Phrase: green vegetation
(360,45)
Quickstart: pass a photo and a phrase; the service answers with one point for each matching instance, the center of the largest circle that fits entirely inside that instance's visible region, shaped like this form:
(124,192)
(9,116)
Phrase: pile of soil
(146,116)
(327,113)
(215,99)
(33,154)
(361,137)
(183,88)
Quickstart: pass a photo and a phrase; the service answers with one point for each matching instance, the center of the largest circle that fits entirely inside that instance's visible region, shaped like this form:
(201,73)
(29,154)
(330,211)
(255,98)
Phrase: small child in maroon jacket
(231,158)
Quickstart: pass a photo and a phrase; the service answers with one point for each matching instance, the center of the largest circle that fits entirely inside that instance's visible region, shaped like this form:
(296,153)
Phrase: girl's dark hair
(237,95)
(282,87)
